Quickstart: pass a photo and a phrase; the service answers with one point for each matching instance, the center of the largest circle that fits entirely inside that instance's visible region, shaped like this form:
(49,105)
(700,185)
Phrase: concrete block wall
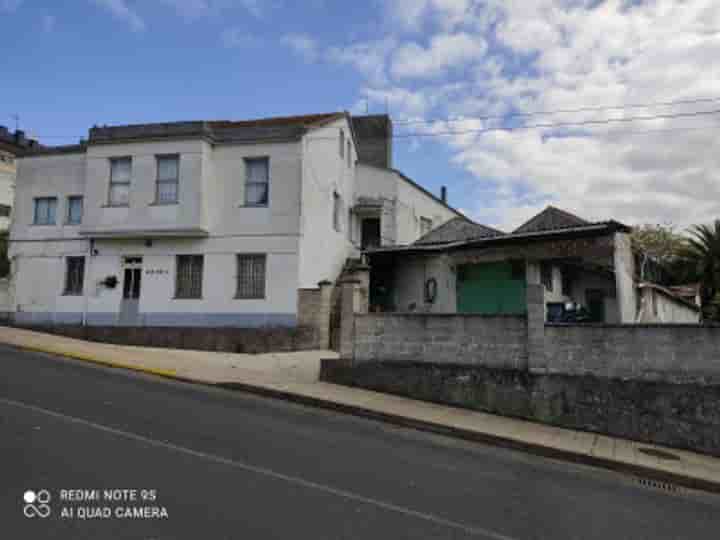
(492,341)
(671,353)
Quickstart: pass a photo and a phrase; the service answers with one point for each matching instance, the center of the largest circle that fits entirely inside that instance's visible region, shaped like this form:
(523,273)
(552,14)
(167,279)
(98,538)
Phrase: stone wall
(675,353)
(478,340)
(240,340)
(684,416)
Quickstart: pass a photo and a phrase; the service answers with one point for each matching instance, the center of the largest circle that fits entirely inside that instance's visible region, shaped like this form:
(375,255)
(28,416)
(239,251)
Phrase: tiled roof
(457,230)
(262,129)
(551,219)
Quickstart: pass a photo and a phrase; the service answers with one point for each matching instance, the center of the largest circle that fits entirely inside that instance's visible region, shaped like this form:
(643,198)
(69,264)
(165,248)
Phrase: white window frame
(160,181)
(248,182)
(47,221)
(114,182)
(68,214)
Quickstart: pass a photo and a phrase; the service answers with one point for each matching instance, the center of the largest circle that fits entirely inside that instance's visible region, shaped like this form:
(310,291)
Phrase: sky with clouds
(452,73)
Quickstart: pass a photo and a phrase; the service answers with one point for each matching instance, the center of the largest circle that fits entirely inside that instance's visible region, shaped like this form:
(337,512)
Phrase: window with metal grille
(74,275)
(251,276)
(168,168)
(546,275)
(120,173)
(257,181)
(74,210)
(189,276)
(45,208)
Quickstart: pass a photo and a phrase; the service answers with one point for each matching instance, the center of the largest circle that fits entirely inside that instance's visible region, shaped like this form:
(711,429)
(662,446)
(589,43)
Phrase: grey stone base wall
(237,340)
(679,415)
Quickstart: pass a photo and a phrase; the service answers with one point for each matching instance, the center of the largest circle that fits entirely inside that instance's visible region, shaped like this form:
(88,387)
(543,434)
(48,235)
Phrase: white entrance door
(132,279)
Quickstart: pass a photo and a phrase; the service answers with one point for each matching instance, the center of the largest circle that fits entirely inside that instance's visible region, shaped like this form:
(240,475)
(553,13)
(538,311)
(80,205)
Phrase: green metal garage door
(491,288)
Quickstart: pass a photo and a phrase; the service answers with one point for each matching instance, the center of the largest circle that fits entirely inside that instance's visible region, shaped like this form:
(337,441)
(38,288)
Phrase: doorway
(370,233)
(132,280)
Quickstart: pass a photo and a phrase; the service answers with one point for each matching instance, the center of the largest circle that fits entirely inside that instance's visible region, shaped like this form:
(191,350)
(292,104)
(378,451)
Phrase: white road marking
(469,529)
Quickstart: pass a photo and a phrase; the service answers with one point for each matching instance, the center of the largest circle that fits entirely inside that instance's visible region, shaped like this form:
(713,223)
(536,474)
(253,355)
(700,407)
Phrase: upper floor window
(189,276)
(349,154)
(74,210)
(342,143)
(337,211)
(120,174)
(74,275)
(45,209)
(257,181)
(167,179)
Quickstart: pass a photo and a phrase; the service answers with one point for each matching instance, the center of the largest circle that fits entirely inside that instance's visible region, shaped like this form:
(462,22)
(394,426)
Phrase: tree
(659,249)
(702,255)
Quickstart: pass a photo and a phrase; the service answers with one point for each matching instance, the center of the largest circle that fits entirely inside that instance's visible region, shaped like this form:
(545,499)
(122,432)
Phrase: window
(337,211)
(189,276)
(342,143)
(250,276)
(349,154)
(74,210)
(167,179)
(546,275)
(257,181)
(120,173)
(425,225)
(74,275)
(45,208)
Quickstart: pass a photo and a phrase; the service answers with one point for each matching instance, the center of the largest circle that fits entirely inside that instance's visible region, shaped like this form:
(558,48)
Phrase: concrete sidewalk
(294,376)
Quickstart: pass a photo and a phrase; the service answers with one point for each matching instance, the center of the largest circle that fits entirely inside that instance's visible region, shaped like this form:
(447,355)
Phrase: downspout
(88,273)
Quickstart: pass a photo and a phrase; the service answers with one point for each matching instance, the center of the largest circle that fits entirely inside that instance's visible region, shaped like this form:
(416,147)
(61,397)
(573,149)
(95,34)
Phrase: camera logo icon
(36,504)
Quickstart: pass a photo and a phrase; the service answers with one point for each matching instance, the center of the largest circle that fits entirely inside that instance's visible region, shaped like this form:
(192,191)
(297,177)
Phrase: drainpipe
(88,273)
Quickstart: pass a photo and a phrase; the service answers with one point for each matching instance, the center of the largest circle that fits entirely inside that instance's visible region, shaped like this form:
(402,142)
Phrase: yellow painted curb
(89,358)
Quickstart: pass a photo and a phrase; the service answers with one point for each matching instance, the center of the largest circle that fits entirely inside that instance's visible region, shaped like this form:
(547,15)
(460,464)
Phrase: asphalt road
(226,465)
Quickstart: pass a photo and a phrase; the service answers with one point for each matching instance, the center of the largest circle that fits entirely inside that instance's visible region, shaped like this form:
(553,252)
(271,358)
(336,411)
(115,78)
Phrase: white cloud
(368,57)
(546,55)
(120,10)
(303,45)
(444,52)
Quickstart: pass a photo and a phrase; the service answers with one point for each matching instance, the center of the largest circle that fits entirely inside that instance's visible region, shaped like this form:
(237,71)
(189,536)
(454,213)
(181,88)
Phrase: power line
(559,124)
(550,125)
(561,111)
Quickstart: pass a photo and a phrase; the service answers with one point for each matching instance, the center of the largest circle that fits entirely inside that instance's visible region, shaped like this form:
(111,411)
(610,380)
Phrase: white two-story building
(205,223)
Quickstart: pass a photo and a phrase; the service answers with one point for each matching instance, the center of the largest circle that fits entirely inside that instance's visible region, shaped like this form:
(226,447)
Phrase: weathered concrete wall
(671,353)
(238,340)
(679,415)
(495,341)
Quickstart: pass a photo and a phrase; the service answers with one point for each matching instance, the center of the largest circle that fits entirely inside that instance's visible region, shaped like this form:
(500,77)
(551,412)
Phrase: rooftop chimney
(20,137)
(443,194)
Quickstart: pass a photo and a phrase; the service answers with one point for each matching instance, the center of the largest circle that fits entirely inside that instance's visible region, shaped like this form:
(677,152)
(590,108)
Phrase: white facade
(301,239)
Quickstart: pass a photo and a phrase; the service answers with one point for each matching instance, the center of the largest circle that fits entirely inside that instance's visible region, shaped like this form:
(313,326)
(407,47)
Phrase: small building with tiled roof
(587,270)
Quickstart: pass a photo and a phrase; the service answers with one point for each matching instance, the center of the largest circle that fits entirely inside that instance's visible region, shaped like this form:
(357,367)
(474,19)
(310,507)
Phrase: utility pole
(17,120)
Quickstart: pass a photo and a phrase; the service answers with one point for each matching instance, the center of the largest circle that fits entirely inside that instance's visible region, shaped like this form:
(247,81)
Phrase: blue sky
(71,64)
